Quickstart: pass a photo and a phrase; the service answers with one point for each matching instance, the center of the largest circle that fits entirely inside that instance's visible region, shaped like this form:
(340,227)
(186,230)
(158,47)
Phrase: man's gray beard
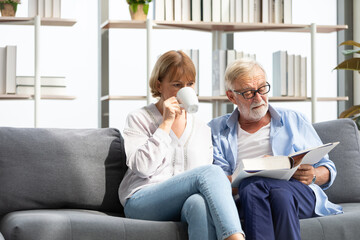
(255,115)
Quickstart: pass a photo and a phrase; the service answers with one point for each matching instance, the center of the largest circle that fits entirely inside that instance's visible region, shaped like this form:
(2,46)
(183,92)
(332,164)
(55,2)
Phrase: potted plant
(138,9)
(354,65)
(8,7)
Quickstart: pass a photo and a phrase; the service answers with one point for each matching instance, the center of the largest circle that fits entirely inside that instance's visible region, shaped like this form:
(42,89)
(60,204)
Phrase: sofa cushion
(89,225)
(346,157)
(60,168)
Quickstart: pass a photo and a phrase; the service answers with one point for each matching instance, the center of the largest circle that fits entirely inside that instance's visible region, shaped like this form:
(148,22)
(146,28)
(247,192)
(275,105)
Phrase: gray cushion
(346,157)
(333,227)
(89,225)
(60,168)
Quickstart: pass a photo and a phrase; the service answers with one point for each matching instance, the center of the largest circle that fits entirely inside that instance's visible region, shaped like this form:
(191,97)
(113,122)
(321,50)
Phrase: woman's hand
(171,109)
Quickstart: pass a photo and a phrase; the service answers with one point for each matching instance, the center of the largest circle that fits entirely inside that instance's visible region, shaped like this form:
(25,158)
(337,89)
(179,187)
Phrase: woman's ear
(158,85)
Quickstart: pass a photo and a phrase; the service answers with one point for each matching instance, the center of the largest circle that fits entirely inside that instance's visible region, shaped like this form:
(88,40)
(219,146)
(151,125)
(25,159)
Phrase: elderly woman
(169,155)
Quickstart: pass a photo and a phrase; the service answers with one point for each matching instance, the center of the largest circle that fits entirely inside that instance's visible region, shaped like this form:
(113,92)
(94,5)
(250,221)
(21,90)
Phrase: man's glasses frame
(253,92)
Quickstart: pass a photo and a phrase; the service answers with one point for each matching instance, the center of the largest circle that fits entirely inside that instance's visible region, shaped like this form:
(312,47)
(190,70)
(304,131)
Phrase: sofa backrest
(346,157)
(60,168)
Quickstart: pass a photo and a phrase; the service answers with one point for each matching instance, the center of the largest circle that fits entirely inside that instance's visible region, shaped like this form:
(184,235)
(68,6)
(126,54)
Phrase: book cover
(265,11)
(245,9)
(287,6)
(44,81)
(290,75)
(32,8)
(186,10)
(238,11)
(279,74)
(10,69)
(216,10)
(225,10)
(303,77)
(177,10)
(297,84)
(2,70)
(257,11)
(41,8)
(279,167)
(48,8)
(206,7)
(218,72)
(169,10)
(232,10)
(196,10)
(195,59)
(251,11)
(56,9)
(277,11)
(159,10)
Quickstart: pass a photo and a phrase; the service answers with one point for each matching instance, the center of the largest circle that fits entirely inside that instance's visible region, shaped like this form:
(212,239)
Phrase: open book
(279,167)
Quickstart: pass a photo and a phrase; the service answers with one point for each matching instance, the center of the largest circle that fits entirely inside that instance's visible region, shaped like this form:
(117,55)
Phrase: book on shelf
(48,8)
(238,11)
(277,11)
(265,11)
(177,10)
(225,10)
(290,75)
(303,77)
(279,73)
(287,9)
(206,8)
(230,56)
(41,8)
(196,10)
(216,10)
(169,10)
(195,59)
(218,72)
(270,10)
(186,10)
(297,84)
(245,9)
(159,10)
(56,9)
(251,11)
(45,90)
(32,8)
(2,70)
(10,69)
(279,167)
(232,11)
(48,81)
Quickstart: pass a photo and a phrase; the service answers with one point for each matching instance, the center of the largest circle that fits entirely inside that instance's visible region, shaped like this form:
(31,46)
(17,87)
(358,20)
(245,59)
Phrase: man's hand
(305,174)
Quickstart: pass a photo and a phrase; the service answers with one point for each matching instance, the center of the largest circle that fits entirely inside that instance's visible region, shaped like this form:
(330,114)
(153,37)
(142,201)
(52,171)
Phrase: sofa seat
(342,226)
(85,224)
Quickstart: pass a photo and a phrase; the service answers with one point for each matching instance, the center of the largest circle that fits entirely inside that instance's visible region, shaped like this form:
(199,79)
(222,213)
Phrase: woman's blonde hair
(174,65)
(240,68)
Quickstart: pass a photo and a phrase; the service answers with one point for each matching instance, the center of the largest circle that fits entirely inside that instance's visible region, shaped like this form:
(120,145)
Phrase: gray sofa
(63,184)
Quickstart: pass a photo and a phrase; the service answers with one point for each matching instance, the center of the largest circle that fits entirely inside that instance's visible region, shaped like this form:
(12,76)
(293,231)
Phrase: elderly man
(269,208)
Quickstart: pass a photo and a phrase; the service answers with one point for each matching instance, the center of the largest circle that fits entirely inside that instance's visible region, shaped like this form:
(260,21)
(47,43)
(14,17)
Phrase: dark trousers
(271,208)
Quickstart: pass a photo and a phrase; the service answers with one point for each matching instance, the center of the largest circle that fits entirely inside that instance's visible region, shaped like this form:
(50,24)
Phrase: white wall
(72,51)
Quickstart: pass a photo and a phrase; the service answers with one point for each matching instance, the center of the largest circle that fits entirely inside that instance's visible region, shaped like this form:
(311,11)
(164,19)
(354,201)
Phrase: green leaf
(349,51)
(350,43)
(134,7)
(350,64)
(146,8)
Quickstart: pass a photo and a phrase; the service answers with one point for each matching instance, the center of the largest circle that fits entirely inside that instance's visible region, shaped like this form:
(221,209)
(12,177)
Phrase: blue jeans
(271,208)
(200,197)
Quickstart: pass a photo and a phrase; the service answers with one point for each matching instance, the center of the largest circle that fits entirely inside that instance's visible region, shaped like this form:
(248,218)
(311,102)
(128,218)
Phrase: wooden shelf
(225,99)
(30,21)
(27,96)
(226,27)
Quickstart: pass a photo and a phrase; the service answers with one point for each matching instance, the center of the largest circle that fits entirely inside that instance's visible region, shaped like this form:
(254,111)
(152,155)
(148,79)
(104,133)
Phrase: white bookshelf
(36,22)
(217,30)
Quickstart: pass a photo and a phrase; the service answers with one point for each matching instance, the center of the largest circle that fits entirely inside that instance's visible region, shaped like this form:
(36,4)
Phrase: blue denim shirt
(290,132)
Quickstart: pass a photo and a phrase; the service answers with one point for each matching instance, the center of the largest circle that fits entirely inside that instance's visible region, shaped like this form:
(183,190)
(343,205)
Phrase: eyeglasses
(249,94)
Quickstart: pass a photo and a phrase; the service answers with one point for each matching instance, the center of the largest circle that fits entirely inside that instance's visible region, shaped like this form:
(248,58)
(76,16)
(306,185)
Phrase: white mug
(188,99)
